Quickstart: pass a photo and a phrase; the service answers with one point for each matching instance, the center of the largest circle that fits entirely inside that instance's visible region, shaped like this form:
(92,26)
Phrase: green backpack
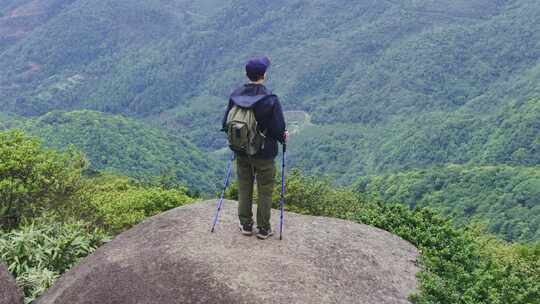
(242,131)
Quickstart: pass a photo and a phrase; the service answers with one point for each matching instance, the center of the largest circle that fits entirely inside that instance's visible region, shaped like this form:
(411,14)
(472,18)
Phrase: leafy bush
(315,196)
(40,251)
(121,204)
(35,282)
(52,208)
(33,179)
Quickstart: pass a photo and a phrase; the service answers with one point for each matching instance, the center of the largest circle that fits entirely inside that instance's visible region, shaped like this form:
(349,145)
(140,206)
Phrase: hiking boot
(263,234)
(246,229)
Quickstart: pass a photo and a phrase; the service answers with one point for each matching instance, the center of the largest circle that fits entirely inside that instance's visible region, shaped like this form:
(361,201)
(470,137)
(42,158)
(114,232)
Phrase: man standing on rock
(255,124)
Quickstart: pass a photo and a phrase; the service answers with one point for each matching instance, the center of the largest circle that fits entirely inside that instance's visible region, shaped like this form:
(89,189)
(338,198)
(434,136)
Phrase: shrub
(315,196)
(120,204)
(33,179)
(35,281)
(40,251)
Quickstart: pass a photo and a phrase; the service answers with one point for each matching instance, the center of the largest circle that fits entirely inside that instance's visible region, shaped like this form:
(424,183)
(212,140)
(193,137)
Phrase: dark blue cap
(257,66)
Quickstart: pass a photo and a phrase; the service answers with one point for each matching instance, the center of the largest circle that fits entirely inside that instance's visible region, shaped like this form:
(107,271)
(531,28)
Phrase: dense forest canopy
(120,144)
(367,63)
(505,199)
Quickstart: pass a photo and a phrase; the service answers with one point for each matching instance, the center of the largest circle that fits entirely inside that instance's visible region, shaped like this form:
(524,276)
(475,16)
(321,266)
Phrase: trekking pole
(282,201)
(225,184)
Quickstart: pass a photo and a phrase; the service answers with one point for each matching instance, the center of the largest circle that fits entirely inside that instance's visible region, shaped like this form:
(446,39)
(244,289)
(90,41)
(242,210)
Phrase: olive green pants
(264,170)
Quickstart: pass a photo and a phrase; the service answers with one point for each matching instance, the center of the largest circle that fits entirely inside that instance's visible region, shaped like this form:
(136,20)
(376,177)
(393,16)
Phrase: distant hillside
(8,121)
(505,199)
(127,146)
(365,63)
(508,136)
(18,18)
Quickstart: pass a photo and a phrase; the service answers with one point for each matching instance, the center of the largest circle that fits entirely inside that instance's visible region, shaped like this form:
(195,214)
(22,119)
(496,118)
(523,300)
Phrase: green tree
(34,179)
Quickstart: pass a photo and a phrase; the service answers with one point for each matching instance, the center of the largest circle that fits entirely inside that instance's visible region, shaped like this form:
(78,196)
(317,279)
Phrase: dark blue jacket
(268,114)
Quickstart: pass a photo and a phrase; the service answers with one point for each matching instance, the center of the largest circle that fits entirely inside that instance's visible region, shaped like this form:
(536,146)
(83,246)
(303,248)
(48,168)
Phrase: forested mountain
(123,145)
(510,136)
(505,199)
(18,18)
(387,86)
(366,63)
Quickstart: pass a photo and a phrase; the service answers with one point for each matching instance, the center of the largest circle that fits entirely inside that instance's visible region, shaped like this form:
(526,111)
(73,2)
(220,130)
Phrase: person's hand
(286,136)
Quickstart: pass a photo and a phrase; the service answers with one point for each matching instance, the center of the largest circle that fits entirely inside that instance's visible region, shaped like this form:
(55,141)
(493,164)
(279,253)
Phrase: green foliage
(509,136)
(40,251)
(35,282)
(316,196)
(200,117)
(140,72)
(343,151)
(505,199)
(33,179)
(51,210)
(120,204)
(516,139)
(495,273)
(127,146)
(43,198)
(459,265)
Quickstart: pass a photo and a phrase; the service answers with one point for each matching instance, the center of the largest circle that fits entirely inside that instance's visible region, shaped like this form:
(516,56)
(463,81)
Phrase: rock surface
(173,258)
(9,293)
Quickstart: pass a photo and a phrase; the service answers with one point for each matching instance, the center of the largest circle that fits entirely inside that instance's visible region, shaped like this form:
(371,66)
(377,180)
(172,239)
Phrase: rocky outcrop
(9,293)
(173,258)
